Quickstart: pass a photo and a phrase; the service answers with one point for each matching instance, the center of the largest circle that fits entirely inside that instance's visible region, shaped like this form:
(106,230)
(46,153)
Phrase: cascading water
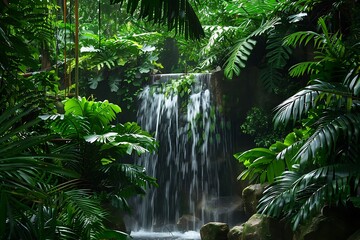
(192,165)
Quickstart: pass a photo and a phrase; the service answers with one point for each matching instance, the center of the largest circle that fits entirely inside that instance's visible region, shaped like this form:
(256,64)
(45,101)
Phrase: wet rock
(251,196)
(214,231)
(188,222)
(235,233)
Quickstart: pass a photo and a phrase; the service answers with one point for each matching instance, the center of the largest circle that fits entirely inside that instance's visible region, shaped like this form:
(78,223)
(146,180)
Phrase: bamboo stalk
(77,48)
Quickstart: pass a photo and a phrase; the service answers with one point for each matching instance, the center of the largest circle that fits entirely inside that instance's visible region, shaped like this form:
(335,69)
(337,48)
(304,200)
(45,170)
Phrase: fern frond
(238,57)
(265,27)
(217,34)
(270,76)
(277,54)
(240,53)
(303,68)
(301,37)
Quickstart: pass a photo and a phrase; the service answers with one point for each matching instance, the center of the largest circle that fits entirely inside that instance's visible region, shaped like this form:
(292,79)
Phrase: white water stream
(192,165)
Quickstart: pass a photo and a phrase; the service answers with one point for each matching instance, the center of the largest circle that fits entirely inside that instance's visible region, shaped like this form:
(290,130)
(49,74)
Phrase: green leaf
(238,57)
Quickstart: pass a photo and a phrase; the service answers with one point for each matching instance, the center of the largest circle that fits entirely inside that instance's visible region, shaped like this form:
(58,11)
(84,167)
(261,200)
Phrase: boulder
(262,227)
(334,223)
(214,231)
(251,196)
(187,222)
(235,233)
(256,228)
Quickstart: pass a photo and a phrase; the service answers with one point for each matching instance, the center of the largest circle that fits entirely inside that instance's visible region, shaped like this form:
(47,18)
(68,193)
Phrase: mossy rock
(251,196)
(214,231)
(257,228)
(236,233)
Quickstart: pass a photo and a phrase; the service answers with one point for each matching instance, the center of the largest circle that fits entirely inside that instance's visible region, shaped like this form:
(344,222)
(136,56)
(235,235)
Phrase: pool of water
(146,235)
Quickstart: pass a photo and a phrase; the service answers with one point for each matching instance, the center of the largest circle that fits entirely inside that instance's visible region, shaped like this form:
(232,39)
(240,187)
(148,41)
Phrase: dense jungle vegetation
(68,68)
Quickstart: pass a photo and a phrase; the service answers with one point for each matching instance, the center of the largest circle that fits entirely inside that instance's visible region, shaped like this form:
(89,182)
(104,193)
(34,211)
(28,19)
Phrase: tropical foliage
(178,15)
(46,187)
(41,198)
(102,146)
(59,172)
(318,164)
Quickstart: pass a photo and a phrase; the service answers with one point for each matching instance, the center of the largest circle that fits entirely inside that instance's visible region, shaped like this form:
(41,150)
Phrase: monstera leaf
(96,112)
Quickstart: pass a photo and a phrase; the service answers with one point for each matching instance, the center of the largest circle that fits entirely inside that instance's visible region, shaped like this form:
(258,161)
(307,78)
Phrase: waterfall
(192,165)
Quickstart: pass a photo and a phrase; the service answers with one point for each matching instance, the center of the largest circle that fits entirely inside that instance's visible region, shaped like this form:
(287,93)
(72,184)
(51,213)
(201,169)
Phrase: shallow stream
(145,235)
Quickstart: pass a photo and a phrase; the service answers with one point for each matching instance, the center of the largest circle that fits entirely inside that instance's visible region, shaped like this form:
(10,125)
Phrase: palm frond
(22,23)
(68,125)
(85,213)
(316,93)
(332,95)
(134,174)
(352,80)
(178,15)
(330,46)
(129,180)
(301,195)
(327,135)
(294,107)
(300,69)
(279,198)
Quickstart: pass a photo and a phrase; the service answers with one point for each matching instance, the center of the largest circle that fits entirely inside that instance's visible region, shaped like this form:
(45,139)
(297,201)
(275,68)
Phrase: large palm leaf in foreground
(327,164)
(178,15)
(323,166)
